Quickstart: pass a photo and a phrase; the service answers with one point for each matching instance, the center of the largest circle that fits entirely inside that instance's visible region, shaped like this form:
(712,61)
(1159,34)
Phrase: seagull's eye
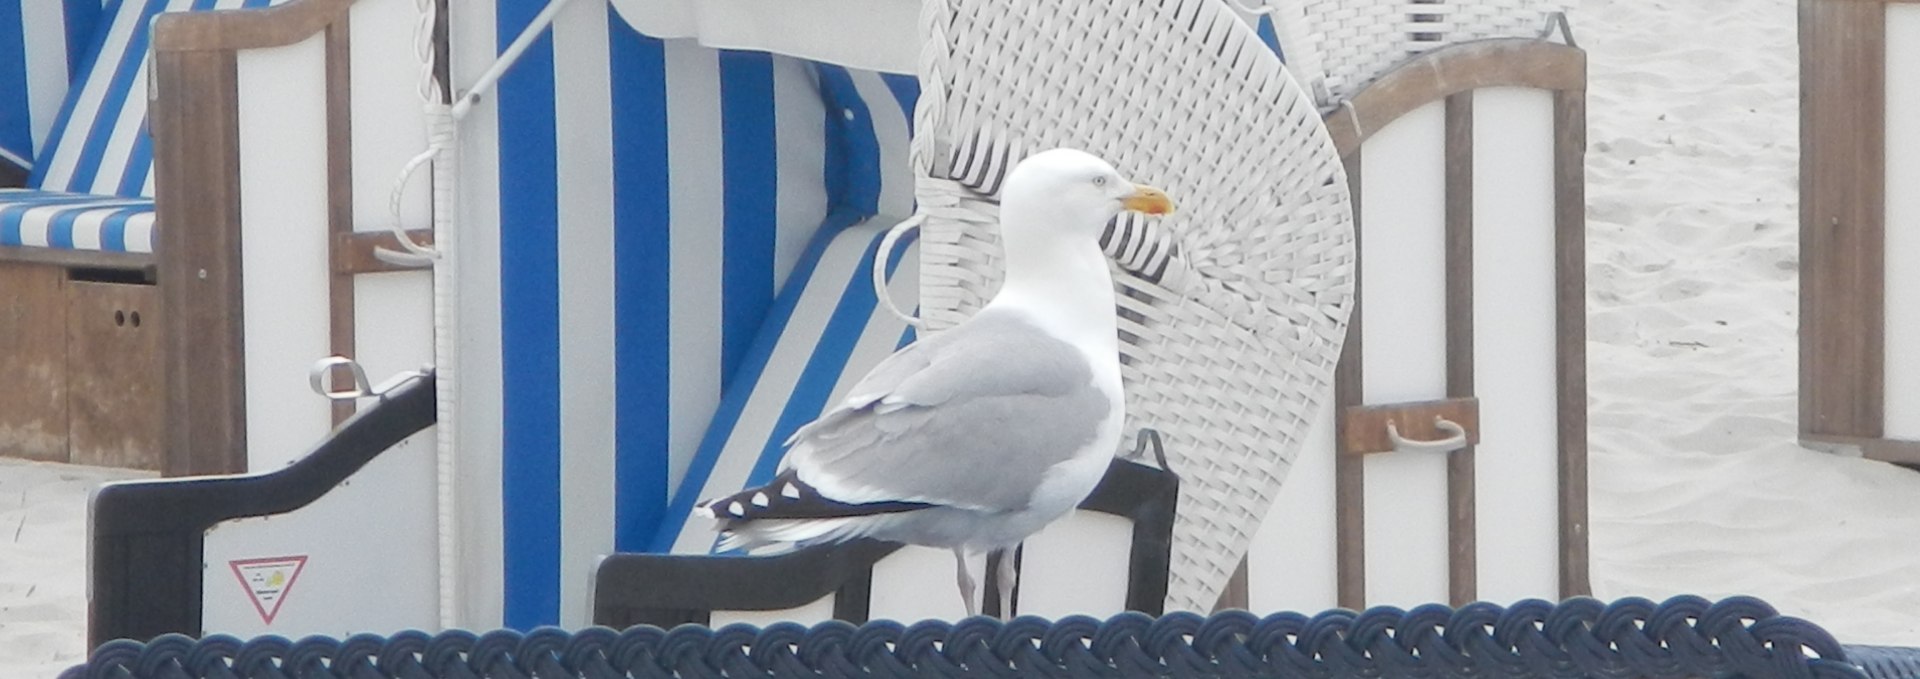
(1099,181)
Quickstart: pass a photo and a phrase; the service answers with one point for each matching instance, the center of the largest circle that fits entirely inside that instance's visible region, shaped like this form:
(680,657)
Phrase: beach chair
(1233,309)
(1339,46)
(77,241)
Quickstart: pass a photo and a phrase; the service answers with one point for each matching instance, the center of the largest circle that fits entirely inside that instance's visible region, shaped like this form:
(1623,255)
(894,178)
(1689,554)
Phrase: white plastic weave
(1341,45)
(1230,336)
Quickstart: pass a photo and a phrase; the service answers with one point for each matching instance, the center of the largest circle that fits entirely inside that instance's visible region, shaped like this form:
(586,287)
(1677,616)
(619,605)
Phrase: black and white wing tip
(787,497)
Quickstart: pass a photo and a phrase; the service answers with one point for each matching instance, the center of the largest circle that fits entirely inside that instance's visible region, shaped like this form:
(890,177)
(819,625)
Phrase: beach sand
(1697,484)
(43,560)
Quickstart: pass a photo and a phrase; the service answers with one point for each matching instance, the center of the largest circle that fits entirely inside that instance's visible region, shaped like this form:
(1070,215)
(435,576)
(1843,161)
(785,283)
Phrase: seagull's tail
(789,510)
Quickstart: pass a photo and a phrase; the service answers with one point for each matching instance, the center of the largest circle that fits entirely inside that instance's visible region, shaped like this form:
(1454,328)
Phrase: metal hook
(1558,20)
(323,368)
(1151,437)
(1456,440)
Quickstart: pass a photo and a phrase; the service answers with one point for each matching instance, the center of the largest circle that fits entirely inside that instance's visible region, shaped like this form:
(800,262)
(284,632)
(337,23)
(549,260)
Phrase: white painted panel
(917,583)
(1291,566)
(1077,565)
(1403,187)
(1516,477)
(393,322)
(1903,222)
(283,212)
(583,112)
(475,378)
(364,569)
(389,126)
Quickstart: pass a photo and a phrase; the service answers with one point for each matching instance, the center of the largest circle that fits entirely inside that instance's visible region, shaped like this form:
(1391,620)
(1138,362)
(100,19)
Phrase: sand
(43,560)
(1697,484)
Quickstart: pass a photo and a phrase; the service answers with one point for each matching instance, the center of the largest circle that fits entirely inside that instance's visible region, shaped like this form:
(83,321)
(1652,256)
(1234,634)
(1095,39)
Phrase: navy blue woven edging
(1681,637)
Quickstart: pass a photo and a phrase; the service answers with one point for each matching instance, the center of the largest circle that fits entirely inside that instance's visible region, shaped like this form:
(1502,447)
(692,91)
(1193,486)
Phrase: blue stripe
(641,239)
(854,175)
(1270,37)
(16,117)
(530,327)
(119,88)
(113,231)
(13,213)
(83,29)
(750,185)
(733,399)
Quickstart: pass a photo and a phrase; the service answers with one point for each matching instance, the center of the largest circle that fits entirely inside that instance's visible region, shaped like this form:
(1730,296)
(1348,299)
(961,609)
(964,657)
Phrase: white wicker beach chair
(1232,310)
(1338,46)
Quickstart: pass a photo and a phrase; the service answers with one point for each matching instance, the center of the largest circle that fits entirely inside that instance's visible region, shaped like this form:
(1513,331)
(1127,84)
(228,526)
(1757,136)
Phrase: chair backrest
(1233,310)
(99,143)
(42,45)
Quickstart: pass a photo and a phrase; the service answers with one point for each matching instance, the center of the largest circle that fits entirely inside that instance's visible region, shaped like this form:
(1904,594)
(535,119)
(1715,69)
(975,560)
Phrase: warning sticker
(267,581)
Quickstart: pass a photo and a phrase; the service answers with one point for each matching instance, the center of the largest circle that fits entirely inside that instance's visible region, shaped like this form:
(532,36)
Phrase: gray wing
(972,417)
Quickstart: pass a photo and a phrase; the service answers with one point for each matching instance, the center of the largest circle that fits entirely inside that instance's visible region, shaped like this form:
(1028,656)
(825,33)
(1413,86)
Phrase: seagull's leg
(966,581)
(1006,576)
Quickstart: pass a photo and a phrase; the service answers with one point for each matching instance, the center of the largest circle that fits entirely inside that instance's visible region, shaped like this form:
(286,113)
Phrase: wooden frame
(1450,75)
(195,123)
(1843,200)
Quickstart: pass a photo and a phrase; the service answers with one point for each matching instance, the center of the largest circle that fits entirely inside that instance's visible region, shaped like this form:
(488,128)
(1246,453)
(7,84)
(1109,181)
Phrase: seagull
(975,438)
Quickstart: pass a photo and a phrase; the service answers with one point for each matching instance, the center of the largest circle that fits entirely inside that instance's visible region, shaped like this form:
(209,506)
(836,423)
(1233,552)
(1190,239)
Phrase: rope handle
(880,269)
(1456,440)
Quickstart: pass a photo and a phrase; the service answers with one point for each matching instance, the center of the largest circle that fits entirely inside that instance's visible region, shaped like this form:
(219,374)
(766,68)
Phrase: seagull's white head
(1070,193)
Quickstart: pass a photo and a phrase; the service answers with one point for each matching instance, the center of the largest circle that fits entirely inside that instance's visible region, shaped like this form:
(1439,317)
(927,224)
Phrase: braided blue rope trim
(1682,637)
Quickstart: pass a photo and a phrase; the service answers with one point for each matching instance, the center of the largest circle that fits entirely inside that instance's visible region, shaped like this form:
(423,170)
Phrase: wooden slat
(1570,329)
(238,29)
(1462,541)
(80,259)
(1349,472)
(353,251)
(195,124)
(115,334)
(340,295)
(1451,70)
(1884,450)
(33,362)
(1842,217)
(1365,432)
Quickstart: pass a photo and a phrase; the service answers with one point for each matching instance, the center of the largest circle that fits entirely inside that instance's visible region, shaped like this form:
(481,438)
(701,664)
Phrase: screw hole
(135,318)
(119,318)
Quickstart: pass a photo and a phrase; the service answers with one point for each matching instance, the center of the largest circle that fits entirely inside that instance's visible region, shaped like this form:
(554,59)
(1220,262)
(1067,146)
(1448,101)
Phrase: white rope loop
(880,259)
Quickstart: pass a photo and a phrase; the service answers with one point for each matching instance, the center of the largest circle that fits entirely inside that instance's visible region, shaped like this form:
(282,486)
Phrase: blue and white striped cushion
(42,44)
(827,330)
(75,221)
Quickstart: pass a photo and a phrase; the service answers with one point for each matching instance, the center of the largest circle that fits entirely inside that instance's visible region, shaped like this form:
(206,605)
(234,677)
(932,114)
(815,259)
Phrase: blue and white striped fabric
(42,44)
(616,291)
(92,181)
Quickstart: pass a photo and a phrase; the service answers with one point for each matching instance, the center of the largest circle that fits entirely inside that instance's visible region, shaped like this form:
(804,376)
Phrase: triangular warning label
(267,581)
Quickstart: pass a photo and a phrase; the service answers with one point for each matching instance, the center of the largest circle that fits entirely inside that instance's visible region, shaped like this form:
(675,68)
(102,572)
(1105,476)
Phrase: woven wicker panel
(1345,44)
(1229,339)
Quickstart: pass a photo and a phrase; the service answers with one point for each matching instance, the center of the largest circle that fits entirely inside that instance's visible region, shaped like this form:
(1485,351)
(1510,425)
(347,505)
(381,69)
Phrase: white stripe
(694,261)
(93,90)
(890,128)
(583,107)
(86,229)
(44,30)
(139,233)
(480,570)
(800,141)
(798,340)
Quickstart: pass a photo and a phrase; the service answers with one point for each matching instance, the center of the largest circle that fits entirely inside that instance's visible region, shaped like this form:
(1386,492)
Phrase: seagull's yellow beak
(1148,200)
